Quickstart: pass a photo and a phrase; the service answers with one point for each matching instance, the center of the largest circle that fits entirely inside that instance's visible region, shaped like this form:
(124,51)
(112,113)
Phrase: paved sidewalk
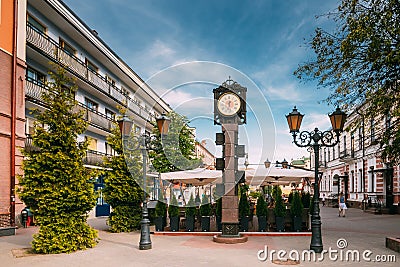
(360,230)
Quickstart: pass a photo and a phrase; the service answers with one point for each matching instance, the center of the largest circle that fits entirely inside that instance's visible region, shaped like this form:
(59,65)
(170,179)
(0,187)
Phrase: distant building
(206,156)
(354,167)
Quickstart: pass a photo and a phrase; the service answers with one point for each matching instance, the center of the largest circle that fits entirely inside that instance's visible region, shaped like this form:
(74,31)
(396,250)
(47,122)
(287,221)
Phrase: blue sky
(184,49)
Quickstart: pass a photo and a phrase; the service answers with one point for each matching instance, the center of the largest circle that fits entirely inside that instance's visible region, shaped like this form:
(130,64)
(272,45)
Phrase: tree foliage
(360,62)
(175,151)
(121,189)
(55,184)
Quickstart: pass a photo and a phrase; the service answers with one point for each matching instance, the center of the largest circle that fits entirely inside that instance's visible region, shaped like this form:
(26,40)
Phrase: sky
(185,49)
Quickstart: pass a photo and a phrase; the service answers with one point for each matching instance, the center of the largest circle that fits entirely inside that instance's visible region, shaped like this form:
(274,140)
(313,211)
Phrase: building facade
(205,155)
(49,31)
(354,166)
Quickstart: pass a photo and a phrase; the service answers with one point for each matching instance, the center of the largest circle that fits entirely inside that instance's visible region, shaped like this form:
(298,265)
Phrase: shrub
(261,208)
(218,208)
(305,199)
(244,207)
(161,209)
(190,209)
(173,209)
(296,208)
(205,208)
(279,208)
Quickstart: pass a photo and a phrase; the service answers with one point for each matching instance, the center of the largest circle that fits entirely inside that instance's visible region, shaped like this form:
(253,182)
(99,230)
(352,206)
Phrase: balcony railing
(35,90)
(92,157)
(95,158)
(51,49)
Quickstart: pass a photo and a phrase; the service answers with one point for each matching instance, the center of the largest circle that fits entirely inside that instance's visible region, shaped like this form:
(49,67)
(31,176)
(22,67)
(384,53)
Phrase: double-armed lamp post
(144,144)
(316,139)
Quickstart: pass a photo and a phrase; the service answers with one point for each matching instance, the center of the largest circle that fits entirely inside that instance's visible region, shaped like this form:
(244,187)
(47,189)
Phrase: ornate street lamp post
(125,126)
(316,139)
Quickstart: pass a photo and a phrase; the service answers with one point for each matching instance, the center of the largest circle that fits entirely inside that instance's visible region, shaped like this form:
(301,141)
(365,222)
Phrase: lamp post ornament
(316,139)
(229,112)
(144,141)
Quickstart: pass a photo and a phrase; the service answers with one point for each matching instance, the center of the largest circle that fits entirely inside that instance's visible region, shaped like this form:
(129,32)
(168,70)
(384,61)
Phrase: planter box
(174,223)
(280,224)
(219,223)
(159,223)
(190,223)
(244,224)
(205,223)
(297,223)
(262,223)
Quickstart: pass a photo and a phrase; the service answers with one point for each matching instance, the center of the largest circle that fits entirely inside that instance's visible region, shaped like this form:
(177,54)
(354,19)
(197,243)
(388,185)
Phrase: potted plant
(279,210)
(160,214)
(205,212)
(218,214)
(244,211)
(261,211)
(190,212)
(173,211)
(296,210)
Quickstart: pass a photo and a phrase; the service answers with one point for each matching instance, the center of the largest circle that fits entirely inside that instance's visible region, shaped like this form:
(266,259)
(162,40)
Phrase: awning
(276,176)
(196,177)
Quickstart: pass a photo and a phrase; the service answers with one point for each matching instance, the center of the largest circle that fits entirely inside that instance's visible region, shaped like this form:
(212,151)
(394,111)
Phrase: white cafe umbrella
(272,175)
(196,177)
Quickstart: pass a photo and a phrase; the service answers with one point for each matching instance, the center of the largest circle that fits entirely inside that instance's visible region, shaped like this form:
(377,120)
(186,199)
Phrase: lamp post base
(145,242)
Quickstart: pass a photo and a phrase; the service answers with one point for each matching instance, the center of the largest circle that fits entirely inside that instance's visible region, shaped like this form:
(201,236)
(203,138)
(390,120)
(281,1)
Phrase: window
(388,119)
(109,149)
(35,76)
(333,153)
(110,80)
(360,137)
(67,48)
(36,24)
(91,104)
(91,66)
(344,146)
(137,130)
(352,144)
(110,115)
(92,143)
(373,138)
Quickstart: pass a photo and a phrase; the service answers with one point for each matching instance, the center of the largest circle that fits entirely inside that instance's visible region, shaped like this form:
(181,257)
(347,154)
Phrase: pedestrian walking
(323,200)
(342,205)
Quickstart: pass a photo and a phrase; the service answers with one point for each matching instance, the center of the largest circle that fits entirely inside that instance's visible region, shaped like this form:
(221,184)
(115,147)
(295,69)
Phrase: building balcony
(95,158)
(34,91)
(346,156)
(51,49)
(92,158)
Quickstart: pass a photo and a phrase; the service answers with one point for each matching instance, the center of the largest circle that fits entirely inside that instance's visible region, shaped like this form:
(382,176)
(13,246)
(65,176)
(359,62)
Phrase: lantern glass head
(294,119)
(284,164)
(338,118)
(267,164)
(163,124)
(125,126)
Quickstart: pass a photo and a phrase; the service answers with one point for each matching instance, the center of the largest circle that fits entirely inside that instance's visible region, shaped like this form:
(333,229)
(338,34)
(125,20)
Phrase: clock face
(228,104)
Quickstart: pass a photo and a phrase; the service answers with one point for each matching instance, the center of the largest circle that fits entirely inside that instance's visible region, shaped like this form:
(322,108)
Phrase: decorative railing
(92,157)
(34,91)
(50,48)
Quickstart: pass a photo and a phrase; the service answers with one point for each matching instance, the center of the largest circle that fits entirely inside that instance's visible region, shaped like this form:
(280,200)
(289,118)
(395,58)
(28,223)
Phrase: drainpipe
(13,115)
(363,151)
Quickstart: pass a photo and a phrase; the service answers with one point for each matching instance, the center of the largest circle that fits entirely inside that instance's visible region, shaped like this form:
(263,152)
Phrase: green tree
(359,62)
(121,189)
(175,151)
(55,184)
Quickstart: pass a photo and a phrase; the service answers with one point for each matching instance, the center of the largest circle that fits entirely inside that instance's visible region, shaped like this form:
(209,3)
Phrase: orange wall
(6,25)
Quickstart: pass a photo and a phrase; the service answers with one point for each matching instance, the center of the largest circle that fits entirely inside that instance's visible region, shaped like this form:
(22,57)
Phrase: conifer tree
(122,190)
(55,184)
